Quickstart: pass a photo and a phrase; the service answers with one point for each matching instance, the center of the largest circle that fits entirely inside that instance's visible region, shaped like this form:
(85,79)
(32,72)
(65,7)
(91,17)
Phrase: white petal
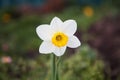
(59,51)
(70,27)
(46,47)
(56,23)
(73,42)
(44,32)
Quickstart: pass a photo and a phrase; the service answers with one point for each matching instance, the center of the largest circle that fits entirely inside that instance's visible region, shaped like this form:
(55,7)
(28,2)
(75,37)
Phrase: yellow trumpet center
(59,39)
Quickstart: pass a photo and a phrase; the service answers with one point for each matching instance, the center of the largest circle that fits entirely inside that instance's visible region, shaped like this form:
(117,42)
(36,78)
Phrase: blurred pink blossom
(6,59)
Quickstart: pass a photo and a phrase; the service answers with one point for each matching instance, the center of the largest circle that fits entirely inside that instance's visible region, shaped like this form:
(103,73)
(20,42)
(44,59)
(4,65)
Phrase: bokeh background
(98,21)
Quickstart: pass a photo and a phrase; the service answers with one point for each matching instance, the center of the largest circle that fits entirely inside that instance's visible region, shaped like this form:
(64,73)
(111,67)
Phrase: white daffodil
(57,36)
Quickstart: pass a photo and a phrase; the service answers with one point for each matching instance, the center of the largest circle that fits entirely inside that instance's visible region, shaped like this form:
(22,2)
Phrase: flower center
(59,39)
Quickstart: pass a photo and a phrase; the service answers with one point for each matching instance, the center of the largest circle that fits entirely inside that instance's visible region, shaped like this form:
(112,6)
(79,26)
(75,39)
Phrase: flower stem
(53,68)
(57,69)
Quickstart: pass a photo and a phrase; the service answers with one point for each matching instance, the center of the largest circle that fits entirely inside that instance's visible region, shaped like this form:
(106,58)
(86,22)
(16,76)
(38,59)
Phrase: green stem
(57,69)
(53,68)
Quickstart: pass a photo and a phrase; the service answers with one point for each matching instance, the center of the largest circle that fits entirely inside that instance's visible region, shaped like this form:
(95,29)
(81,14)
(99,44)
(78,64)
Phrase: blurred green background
(19,43)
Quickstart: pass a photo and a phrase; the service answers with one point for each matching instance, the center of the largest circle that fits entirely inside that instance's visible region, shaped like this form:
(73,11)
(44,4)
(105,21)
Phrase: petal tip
(56,19)
(58,55)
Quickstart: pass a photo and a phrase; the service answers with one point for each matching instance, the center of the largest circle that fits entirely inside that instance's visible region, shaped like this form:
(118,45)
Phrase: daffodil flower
(57,36)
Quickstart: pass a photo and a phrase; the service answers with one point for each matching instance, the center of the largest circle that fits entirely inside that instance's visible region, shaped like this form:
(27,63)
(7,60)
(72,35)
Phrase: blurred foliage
(82,66)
